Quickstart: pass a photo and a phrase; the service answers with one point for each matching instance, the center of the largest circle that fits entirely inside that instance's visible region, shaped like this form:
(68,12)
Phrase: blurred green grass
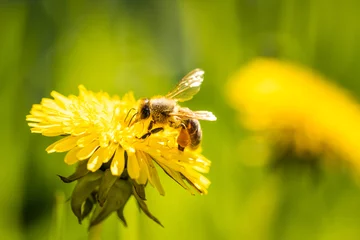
(146,47)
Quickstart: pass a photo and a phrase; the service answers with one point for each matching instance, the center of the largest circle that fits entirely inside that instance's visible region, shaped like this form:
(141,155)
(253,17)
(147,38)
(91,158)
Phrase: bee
(165,110)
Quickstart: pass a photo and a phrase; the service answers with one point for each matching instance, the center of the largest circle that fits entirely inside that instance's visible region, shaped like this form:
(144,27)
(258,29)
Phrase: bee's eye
(145,111)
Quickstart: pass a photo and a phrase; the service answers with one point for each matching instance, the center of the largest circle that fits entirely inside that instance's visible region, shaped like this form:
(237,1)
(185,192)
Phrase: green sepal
(117,197)
(81,170)
(107,182)
(144,207)
(120,214)
(82,191)
(140,190)
(88,206)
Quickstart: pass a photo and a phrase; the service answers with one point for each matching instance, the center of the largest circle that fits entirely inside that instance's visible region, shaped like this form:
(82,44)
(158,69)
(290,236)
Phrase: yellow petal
(144,171)
(197,162)
(80,130)
(45,125)
(173,163)
(36,108)
(36,130)
(110,152)
(83,90)
(104,140)
(133,165)
(200,182)
(85,140)
(70,157)
(118,162)
(48,103)
(58,119)
(63,145)
(60,99)
(37,113)
(95,161)
(34,124)
(87,151)
(153,175)
(174,175)
(32,118)
(50,106)
(53,131)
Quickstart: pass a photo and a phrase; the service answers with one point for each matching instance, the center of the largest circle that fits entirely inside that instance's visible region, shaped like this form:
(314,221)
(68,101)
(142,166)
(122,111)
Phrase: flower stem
(58,217)
(95,232)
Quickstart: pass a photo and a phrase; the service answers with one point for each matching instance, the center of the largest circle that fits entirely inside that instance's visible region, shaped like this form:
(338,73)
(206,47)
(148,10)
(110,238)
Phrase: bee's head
(144,109)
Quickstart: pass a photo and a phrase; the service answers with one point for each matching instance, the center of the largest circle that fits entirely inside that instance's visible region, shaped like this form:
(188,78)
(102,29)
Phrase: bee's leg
(151,124)
(156,130)
(144,136)
(181,148)
(152,131)
(183,138)
(175,122)
(177,125)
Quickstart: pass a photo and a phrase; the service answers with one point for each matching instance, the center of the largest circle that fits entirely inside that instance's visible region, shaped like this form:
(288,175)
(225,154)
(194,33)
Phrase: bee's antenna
(128,113)
(132,118)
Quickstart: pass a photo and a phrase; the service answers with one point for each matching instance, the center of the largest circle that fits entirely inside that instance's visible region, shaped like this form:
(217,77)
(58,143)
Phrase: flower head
(297,107)
(96,132)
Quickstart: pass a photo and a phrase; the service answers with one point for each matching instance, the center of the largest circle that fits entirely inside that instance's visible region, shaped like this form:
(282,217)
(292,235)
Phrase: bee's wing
(188,86)
(186,113)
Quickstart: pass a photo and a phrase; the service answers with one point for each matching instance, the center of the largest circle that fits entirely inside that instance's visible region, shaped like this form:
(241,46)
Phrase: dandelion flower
(299,108)
(112,158)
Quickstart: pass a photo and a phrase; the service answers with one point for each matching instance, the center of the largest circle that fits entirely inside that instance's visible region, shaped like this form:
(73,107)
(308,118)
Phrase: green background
(146,47)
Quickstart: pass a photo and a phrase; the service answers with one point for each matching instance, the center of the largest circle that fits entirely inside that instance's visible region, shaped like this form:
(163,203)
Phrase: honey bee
(164,110)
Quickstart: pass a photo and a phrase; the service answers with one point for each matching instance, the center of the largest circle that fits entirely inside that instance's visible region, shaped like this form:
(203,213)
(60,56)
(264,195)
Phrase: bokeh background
(146,47)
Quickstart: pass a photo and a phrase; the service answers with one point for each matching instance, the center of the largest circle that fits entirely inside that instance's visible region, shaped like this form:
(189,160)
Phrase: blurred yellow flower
(297,107)
(97,134)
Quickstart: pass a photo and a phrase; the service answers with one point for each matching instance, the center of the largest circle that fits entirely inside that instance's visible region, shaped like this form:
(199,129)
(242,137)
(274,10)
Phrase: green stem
(95,232)
(58,217)
(133,220)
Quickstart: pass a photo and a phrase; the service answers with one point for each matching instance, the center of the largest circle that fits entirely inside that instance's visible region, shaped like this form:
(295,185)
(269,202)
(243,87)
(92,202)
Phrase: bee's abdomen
(194,130)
